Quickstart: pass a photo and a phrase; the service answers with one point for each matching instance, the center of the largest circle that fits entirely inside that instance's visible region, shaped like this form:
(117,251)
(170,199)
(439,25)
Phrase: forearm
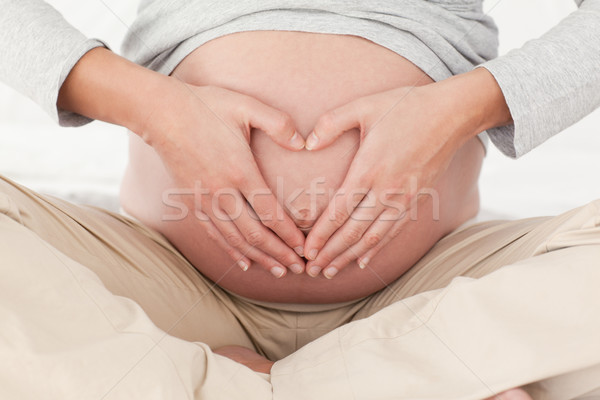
(107,87)
(483,100)
(469,103)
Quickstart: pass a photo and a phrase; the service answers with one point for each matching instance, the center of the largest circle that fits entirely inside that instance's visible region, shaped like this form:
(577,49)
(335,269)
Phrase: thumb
(333,124)
(278,125)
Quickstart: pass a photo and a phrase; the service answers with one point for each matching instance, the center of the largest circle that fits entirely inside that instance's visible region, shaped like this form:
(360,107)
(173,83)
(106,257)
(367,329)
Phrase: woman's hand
(202,136)
(408,138)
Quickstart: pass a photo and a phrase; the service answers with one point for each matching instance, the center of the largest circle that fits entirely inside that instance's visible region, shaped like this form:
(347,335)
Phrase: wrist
(492,110)
(471,103)
(107,87)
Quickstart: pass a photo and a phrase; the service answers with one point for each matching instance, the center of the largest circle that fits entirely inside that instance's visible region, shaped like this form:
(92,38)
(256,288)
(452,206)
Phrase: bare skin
(201,133)
(178,139)
(303,75)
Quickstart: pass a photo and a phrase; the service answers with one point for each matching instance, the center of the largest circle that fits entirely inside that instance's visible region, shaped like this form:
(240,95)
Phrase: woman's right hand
(202,136)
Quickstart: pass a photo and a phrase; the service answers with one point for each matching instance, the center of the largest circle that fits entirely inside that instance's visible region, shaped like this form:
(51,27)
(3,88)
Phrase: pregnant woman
(303,75)
(289,163)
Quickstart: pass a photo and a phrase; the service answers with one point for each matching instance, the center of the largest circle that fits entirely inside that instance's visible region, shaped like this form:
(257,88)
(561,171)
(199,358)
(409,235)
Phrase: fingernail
(296,141)
(278,272)
(243,265)
(330,272)
(314,271)
(299,250)
(363,263)
(312,254)
(296,268)
(312,141)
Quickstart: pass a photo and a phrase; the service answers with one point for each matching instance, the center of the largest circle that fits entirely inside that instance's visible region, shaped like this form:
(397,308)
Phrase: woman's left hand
(408,138)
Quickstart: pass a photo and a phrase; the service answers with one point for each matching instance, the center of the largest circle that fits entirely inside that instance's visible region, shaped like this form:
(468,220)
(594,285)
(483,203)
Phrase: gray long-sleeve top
(549,84)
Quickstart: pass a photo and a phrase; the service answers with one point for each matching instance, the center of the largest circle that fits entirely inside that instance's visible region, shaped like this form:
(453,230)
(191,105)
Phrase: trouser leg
(534,320)
(95,306)
(65,336)
(132,261)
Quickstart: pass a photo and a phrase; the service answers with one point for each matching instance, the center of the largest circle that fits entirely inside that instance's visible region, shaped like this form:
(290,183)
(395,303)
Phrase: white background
(85,164)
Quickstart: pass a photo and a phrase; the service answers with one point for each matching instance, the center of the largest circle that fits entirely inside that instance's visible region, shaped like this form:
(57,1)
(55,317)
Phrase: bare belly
(303,74)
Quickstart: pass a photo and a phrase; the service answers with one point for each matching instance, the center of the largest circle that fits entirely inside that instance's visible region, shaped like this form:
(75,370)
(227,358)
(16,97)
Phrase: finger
(256,234)
(348,196)
(278,125)
(364,259)
(334,123)
(401,212)
(235,239)
(270,212)
(213,234)
(376,233)
(364,215)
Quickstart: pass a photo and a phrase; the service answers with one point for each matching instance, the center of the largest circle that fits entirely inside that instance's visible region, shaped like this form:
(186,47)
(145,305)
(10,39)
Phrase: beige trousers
(96,306)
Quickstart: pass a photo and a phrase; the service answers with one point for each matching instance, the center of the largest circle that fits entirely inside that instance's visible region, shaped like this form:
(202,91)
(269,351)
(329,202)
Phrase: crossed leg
(526,311)
(258,363)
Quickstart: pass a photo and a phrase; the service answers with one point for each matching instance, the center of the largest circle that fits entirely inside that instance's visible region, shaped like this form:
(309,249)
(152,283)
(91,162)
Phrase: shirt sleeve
(551,82)
(38,49)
